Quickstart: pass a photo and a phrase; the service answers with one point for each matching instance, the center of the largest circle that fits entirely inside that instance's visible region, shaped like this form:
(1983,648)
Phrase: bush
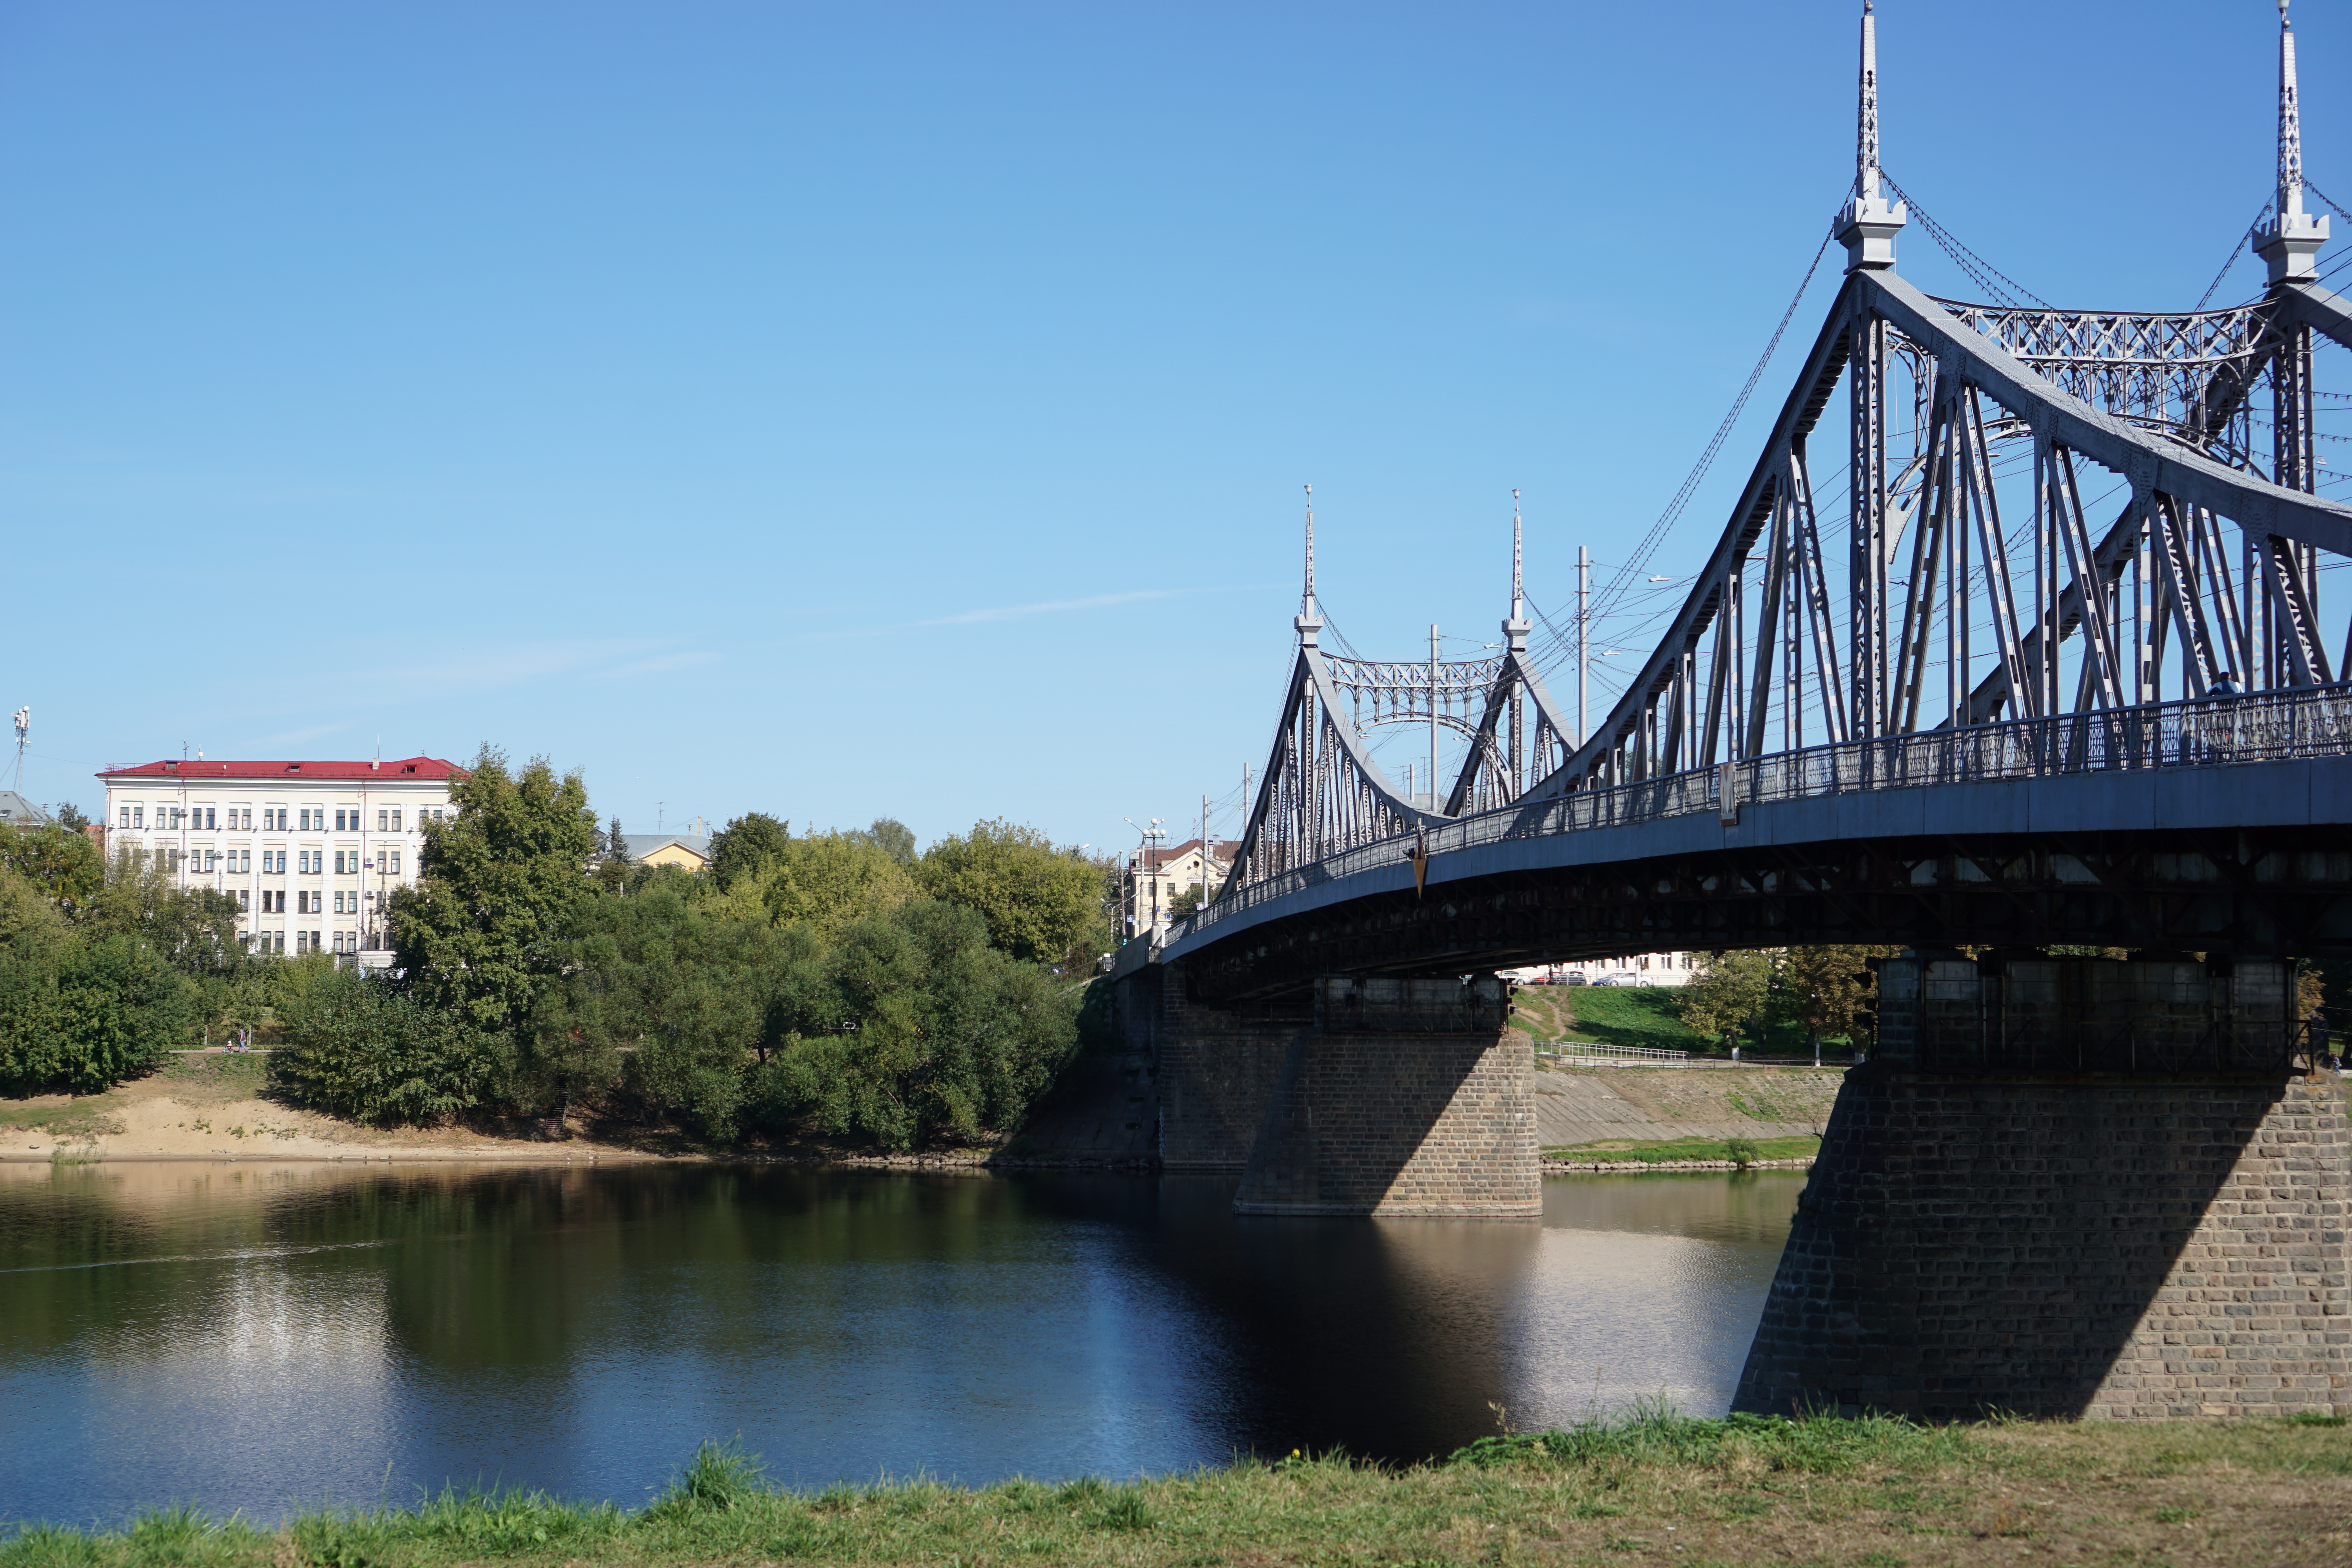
(359,1048)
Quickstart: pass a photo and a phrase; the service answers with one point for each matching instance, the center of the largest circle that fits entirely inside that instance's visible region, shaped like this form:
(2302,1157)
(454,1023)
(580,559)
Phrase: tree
(356,1046)
(1041,903)
(1822,989)
(65,867)
(194,929)
(479,932)
(826,882)
(745,847)
(70,817)
(660,991)
(1191,898)
(613,869)
(893,838)
(1726,991)
(923,1030)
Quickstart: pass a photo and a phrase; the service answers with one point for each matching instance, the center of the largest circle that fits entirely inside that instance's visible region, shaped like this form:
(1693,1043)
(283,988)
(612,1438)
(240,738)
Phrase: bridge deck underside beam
(2244,891)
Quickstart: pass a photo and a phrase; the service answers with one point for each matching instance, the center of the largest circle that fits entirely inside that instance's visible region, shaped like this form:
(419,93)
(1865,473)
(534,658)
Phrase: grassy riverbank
(1663,1489)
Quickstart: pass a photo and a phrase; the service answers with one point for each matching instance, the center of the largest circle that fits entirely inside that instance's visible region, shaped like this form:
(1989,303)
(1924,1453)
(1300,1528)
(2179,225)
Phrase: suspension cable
(1968,261)
(2236,251)
(1630,572)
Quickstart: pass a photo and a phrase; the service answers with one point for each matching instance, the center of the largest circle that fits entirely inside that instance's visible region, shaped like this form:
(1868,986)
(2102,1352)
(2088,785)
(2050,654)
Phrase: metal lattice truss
(1323,792)
(1976,584)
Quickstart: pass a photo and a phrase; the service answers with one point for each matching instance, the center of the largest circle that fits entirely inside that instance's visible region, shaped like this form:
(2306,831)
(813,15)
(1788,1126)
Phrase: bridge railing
(2260,727)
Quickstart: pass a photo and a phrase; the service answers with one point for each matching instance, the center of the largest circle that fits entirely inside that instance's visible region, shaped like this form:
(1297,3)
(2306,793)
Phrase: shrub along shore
(1656,1488)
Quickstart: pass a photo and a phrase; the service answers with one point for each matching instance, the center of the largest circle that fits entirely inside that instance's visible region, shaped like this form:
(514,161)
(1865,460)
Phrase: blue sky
(838,411)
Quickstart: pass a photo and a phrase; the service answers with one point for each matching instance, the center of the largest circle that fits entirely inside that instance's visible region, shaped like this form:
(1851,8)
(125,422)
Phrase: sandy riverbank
(213,1105)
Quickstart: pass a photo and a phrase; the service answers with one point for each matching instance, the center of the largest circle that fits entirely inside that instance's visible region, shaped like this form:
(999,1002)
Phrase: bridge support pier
(1389,1097)
(2071,1187)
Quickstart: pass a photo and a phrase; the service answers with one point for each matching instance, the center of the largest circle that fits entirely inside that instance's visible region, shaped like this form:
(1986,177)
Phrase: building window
(382,819)
(244,900)
(379,862)
(126,818)
(395,862)
(138,817)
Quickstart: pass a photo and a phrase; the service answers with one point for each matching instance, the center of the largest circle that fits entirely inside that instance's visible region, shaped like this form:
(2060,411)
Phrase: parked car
(1573,977)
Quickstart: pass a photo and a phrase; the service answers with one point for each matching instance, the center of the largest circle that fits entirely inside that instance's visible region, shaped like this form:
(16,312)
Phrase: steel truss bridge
(2017,716)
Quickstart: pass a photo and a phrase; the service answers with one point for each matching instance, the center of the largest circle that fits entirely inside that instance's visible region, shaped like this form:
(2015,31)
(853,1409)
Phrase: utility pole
(1583,637)
(1433,715)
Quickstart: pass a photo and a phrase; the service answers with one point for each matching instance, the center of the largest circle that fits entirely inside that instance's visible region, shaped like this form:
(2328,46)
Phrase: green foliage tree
(358,1048)
(894,839)
(69,816)
(65,866)
(829,881)
(1822,990)
(1726,991)
(744,847)
(919,1029)
(613,867)
(665,993)
(194,928)
(1041,904)
(82,1007)
(478,935)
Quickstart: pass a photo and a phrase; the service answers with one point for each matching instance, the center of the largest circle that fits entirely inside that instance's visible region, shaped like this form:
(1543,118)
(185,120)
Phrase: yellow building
(691,850)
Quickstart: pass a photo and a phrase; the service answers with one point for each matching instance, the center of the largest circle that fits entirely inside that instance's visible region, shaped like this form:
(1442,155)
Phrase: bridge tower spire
(1310,614)
(1867,226)
(2290,241)
(1515,627)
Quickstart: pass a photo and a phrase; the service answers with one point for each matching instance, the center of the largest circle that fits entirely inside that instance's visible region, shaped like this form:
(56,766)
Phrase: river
(252,1336)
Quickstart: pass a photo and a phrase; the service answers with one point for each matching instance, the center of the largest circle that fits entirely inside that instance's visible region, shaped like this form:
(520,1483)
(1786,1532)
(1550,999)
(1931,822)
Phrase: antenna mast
(24,719)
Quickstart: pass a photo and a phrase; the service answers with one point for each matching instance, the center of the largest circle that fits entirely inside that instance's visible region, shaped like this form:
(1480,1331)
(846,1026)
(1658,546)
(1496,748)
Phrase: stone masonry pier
(1377,1097)
(2071,1187)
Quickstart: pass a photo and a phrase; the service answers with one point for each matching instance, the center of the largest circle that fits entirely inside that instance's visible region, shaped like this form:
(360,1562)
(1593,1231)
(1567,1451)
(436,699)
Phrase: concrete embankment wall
(1576,1106)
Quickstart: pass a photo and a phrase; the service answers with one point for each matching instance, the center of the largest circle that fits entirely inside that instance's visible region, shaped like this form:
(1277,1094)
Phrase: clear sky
(845,410)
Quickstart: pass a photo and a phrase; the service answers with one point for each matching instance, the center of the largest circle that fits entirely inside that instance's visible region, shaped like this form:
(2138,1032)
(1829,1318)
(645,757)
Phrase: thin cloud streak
(1052,607)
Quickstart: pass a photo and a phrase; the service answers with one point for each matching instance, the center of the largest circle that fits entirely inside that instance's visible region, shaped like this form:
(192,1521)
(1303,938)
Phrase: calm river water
(248,1336)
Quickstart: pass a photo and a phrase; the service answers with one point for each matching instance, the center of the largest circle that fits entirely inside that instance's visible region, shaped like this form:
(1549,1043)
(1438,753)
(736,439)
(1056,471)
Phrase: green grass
(86,1116)
(1628,1015)
(1655,1487)
(1689,1149)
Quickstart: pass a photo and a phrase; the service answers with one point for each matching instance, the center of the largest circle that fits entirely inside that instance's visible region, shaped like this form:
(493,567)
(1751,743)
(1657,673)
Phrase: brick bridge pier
(2071,1186)
(1370,1096)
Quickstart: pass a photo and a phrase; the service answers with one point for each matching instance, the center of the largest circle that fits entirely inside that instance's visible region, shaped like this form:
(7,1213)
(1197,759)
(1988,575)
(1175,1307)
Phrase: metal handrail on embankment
(2261,727)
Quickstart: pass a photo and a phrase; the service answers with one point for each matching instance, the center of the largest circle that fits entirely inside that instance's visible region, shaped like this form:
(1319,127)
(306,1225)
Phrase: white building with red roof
(310,850)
